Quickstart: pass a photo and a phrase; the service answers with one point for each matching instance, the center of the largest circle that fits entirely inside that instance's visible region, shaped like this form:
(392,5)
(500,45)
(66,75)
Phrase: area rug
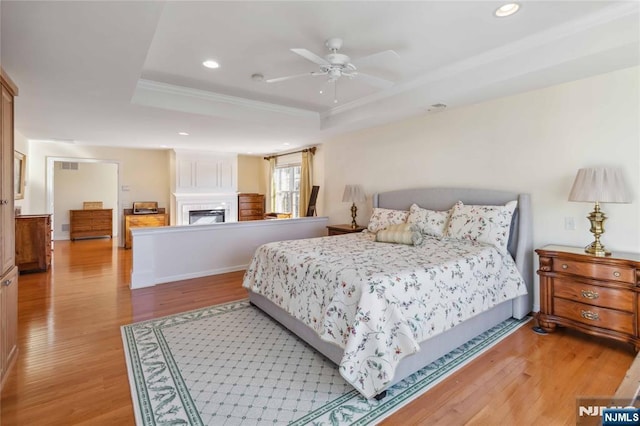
(231,364)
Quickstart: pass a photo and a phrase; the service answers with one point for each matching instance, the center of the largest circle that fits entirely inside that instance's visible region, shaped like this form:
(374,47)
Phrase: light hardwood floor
(71,367)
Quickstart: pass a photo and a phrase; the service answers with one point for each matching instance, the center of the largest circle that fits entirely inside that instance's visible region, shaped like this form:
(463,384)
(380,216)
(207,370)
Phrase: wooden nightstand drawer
(594,316)
(594,295)
(592,270)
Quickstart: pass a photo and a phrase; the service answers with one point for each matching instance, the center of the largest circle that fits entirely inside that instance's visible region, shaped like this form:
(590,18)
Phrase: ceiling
(130,73)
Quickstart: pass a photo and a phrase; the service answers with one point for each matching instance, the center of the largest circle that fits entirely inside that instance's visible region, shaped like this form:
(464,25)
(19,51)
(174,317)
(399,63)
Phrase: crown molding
(220,99)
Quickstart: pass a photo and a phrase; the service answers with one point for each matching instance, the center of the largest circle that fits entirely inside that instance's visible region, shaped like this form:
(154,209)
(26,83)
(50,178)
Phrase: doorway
(73,181)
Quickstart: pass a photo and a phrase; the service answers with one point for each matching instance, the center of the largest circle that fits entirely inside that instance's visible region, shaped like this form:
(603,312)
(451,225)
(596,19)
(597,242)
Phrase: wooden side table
(593,294)
(344,229)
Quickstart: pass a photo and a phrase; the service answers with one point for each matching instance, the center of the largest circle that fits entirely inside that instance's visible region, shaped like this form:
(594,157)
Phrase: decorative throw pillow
(487,224)
(381,218)
(428,222)
(404,233)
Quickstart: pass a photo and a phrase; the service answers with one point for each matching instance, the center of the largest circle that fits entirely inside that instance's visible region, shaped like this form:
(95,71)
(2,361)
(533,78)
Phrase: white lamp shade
(600,184)
(353,193)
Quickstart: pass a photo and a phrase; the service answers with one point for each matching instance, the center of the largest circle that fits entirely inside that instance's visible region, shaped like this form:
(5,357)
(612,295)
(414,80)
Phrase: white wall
(90,182)
(533,142)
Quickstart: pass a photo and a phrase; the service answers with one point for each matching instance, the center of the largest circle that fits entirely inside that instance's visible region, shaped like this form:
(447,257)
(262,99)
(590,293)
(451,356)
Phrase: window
(287,183)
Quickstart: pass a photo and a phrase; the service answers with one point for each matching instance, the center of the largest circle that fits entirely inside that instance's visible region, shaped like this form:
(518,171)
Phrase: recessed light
(210,63)
(183,133)
(507,10)
(286,144)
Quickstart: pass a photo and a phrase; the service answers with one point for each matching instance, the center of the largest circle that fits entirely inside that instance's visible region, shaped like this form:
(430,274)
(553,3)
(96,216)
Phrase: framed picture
(19,167)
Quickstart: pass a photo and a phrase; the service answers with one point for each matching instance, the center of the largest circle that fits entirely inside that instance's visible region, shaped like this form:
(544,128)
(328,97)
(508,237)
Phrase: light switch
(569,224)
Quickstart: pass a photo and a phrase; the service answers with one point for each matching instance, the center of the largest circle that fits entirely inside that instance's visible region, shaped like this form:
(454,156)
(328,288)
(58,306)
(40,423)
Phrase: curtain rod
(312,150)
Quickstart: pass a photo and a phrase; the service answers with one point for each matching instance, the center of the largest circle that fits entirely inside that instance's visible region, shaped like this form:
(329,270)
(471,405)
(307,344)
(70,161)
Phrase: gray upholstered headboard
(520,239)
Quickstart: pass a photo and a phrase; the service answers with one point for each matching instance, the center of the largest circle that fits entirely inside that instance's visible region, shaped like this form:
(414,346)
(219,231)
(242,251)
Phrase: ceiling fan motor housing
(337,59)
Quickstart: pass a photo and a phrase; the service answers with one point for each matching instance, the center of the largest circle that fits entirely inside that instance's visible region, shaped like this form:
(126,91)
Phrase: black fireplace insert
(206,217)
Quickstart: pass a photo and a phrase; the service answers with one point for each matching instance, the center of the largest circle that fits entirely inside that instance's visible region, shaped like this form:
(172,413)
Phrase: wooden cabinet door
(7,230)
(8,319)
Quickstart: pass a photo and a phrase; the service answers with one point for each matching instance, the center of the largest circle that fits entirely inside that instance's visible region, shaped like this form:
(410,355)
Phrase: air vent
(64,227)
(68,165)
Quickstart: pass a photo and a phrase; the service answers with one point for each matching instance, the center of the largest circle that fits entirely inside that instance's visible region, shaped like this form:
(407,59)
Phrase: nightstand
(344,229)
(593,294)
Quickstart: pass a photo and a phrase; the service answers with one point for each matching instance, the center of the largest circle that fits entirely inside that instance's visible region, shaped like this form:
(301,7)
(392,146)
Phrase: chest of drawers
(90,223)
(596,295)
(33,242)
(250,207)
(142,220)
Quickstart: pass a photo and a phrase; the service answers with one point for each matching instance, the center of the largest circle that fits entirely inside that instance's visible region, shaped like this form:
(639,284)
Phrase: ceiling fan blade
(376,58)
(310,56)
(375,81)
(288,77)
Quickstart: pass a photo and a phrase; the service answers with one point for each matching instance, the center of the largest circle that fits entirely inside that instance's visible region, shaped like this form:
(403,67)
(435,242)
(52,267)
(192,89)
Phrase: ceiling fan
(336,65)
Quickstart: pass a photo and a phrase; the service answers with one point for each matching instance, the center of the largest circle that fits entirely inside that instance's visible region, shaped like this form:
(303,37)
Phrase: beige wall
(90,182)
(143,174)
(251,175)
(533,142)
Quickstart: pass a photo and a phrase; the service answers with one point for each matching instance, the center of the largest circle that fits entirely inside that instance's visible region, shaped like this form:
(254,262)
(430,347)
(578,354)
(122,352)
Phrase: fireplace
(206,217)
(187,203)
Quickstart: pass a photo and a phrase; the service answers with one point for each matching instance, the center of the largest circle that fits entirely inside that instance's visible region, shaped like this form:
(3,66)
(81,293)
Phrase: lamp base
(597,249)
(597,219)
(354,211)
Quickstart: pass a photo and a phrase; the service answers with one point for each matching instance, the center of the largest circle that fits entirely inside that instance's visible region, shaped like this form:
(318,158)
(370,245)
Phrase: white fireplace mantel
(184,203)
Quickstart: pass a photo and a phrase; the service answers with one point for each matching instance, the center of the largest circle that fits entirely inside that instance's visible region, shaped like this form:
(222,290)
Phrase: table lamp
(599,185)
(353,193)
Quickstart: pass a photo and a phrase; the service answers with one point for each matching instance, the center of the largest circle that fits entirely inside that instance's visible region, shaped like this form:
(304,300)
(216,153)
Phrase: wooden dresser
(596,295)
(33,242)
(142,220)
(91,223)
(250,207)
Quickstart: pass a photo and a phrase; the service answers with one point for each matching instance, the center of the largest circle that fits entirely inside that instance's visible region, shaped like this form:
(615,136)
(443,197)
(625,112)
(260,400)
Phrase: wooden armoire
(8,269)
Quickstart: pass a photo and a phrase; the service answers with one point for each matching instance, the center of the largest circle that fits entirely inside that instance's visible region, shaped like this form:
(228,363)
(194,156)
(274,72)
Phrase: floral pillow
(404,233)
(428,222)
(382,218)
(486,224)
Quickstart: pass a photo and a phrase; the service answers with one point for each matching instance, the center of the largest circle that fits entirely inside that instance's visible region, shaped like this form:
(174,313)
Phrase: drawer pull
(588,294)
(565,266)
(7,283)
(593,316)
(616,274)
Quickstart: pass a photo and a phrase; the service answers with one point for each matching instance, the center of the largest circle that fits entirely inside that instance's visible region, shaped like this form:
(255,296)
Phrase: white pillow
(428,222)
(381,218)
(486,224)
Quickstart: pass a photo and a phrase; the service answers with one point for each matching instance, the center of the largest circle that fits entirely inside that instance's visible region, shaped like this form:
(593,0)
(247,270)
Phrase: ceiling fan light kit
(335,65)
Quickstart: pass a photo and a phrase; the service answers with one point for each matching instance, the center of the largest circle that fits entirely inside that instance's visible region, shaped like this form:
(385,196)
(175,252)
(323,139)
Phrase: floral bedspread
(378,301)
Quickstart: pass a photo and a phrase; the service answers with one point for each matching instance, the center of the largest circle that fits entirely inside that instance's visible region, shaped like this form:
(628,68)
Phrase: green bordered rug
(232,364)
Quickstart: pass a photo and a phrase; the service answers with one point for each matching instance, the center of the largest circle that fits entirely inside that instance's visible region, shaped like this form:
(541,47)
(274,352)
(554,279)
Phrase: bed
(402,335)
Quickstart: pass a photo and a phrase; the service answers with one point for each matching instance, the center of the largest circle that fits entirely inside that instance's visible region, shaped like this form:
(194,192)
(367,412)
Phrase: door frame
(51,160)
